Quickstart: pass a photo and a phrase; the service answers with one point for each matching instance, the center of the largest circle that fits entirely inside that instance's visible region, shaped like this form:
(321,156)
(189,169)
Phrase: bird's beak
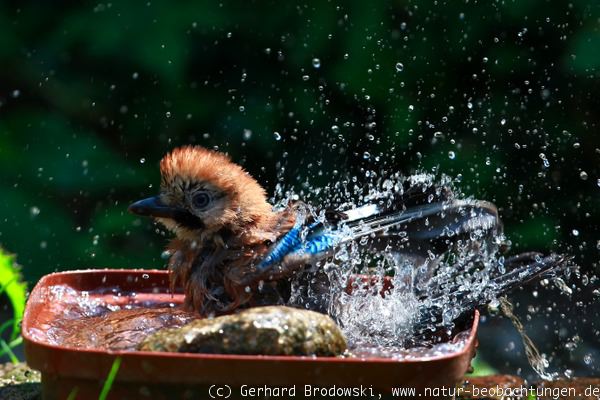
(152,207)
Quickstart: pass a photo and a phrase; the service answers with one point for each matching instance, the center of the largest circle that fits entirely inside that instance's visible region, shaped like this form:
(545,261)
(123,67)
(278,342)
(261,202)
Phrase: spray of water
(537,360)
(432,287)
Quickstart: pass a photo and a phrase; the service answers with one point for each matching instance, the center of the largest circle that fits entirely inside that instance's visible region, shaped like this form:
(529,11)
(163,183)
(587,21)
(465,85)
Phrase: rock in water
(273,330)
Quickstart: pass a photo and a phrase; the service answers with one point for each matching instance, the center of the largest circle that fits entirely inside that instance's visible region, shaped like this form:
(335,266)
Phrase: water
(402,353)
(537,360)
(383,320)
(112,319)
(107,318)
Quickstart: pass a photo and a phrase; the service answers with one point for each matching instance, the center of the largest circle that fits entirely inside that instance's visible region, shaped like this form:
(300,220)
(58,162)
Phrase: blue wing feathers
(320,244)
(315,243)
(287,244)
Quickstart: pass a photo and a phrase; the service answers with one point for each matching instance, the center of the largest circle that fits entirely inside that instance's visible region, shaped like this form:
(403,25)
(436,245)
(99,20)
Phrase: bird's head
(202,192)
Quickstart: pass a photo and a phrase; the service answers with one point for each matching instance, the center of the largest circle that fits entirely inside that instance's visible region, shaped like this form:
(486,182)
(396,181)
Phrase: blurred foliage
(500,94)
(481,368)
(12,285)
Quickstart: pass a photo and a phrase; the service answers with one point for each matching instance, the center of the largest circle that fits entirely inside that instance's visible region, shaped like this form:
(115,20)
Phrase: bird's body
(233,249)
(218,273)
(215,250)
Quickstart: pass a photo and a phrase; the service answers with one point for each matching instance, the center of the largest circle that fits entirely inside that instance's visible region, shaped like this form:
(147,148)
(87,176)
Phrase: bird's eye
(201,200)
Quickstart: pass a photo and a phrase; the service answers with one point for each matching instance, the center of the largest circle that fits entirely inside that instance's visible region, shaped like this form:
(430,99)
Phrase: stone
(272,330)
(19,382)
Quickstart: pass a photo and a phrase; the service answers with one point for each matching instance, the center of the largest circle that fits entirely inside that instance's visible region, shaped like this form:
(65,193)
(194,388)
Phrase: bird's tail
(453,300)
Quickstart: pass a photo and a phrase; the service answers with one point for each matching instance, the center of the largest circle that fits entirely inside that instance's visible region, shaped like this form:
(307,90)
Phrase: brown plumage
(246,207)
(216,247)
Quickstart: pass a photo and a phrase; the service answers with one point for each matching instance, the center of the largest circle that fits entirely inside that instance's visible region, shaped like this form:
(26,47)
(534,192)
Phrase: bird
(232,249)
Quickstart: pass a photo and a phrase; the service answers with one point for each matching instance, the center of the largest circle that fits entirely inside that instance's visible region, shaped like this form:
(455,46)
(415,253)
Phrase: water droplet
(411,107)
(451,155)
(242,108)
(142,160)
(277,136)
(575,232)
(583,175)
(16,93)
(165,254)
(305,77)
(335,128)
(545,161)
(145,276)
(569,373)
(503,121)
(34,211)
(168,114)
(366,155)
(316,63)
(135,75)
(399,67)
(247,134)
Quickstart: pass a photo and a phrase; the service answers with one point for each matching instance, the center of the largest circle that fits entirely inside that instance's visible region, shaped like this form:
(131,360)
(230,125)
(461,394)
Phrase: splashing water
(391,299)
(403,287)
(537,360)
(371,320)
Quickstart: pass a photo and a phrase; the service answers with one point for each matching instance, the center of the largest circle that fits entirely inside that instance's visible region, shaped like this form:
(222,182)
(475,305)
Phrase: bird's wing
(413,223)
(300,237)
(421,218)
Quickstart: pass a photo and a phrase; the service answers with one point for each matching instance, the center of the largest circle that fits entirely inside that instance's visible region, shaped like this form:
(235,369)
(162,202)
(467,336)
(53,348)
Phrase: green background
(502,95)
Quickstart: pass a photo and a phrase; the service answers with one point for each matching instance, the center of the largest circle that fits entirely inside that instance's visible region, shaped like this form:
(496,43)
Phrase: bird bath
(69,361)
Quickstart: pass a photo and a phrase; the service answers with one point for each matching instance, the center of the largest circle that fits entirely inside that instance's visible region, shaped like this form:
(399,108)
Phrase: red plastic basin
(154,375)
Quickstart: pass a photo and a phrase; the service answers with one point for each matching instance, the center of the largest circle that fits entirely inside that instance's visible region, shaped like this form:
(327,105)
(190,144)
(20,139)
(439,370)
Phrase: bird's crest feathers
(188,166)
